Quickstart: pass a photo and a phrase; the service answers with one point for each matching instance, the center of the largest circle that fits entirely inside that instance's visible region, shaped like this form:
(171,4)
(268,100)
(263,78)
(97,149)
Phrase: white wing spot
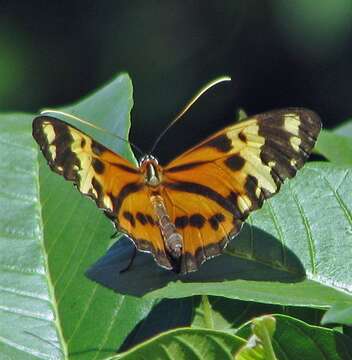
(244,203)
(49,132)
(291,123)
(107,202)
(295,143)
(52,150)
(258,192)
(94,192)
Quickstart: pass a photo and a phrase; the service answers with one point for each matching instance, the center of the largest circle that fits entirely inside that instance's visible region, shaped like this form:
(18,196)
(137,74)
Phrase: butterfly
(187,211)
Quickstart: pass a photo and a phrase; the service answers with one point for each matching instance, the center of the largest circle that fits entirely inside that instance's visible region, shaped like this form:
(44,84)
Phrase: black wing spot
(235,162)
(221,143)
(242,137)
(99,190)
(215,220)
(181,222)
(141,218)
(197,220)
(98,166)
(251,187)
(97,148)
(150,219)
(129,217)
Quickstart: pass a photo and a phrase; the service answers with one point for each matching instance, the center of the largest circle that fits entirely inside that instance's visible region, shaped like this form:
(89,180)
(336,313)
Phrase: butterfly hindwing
(205,225)
(115,184)
(224,178)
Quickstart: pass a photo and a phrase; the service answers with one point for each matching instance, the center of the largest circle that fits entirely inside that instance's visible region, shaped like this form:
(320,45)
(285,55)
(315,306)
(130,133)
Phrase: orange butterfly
(187,211)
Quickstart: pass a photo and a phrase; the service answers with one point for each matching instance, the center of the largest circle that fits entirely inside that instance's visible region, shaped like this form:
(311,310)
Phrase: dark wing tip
(311,122)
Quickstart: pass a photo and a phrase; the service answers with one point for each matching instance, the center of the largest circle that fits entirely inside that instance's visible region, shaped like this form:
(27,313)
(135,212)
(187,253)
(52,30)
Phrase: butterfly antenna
(51,111)
(188,105)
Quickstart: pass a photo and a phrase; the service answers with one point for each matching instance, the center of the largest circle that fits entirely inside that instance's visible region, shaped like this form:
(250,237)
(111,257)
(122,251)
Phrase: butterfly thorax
(151,171)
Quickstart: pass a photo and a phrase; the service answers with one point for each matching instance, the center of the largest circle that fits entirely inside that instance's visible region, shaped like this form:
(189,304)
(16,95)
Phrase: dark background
(279,53)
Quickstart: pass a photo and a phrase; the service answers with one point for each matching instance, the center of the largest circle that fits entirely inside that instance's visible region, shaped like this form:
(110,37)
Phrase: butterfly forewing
(213,187)
(115,184)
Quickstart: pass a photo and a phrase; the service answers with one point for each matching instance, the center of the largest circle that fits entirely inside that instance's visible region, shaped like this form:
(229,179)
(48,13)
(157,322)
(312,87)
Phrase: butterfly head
(151,170)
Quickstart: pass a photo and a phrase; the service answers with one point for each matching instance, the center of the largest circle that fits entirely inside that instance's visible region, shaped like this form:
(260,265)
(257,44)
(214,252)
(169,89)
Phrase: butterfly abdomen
(172,239)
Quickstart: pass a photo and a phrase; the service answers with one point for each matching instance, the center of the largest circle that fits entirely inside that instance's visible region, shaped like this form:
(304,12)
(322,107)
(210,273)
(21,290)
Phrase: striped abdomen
(172,239)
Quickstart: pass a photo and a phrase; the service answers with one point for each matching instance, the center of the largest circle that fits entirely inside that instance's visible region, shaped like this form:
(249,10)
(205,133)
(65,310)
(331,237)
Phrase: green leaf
(187,344)
(294,339)
(339,313)
(345,129)
(335,147)
(289,238)
(28,324)
(241,115)
(259,345)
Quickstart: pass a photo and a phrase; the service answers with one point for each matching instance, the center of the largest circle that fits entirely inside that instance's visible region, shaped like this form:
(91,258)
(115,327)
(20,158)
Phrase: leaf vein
(24,349)
(311,246)
(279,231)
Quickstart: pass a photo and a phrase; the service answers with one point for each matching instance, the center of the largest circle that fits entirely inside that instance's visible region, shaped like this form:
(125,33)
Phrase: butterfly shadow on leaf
(253,255)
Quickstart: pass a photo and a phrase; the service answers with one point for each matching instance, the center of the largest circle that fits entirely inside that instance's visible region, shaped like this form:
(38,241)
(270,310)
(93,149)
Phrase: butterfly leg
(129,265)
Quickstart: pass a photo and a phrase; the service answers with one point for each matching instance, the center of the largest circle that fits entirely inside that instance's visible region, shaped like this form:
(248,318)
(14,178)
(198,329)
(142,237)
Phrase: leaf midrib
(47,271)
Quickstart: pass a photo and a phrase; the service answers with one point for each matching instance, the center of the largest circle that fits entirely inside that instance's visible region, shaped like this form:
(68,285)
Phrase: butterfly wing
(114,183)
(210,189)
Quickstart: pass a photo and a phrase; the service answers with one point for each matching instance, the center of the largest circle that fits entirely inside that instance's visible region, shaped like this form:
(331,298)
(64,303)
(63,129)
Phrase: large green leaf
(291,236)
(48,242)
(28,312)
(187,344)
(345,129)
(294,339)
(335,147)
(336,144)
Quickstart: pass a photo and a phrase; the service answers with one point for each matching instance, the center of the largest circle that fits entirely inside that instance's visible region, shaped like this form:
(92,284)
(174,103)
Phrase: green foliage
(186,344)
(294,339)
(335,147)
(294,252)
(28,326)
